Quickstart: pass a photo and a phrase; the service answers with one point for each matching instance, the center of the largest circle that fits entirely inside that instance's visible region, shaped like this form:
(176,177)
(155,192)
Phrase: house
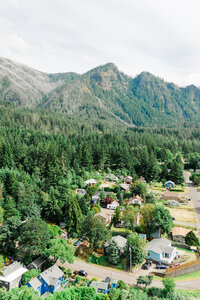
(48,281)
(81,192)
(161,250)
(178,234)
(38,263)
(105,215)
(11,276)
(96,197)
(90,182)
(173,203)
(111,177)
(125,187)
(100,286)
(128,179)
(169,184)
(120,240)
(113,205)
(135,200)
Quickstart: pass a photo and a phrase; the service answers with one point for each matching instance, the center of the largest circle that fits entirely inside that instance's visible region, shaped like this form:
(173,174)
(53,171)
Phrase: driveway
(101,273)
(194,196)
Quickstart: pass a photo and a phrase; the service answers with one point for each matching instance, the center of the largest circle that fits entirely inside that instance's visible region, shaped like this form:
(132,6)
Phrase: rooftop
(12,272)
(160,245)
(51,275)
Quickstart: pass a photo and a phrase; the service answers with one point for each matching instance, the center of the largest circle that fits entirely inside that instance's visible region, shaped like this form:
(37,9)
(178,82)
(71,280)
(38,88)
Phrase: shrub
(121,285)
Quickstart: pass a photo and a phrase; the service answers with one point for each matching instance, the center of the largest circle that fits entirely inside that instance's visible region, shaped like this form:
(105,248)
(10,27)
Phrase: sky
(159,36)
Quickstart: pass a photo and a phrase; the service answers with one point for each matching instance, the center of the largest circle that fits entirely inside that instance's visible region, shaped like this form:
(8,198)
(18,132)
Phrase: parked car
(161,266)
(147,265)
(85,243)
(81,273)
(174,265)
(173,219)
(77,243)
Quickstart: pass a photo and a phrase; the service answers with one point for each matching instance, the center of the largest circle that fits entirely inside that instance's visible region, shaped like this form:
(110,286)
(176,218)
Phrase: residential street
(103,272)
(194,196)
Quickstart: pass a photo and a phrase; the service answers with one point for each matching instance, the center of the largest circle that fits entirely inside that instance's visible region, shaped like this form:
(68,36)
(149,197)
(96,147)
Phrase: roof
(35,283)
(120,240)
(99,285)
(169,181)
(105,213)
(12,272)
(125,186)
(136,199)
(114,203)
(180,231)
(112,176)
(160,245)
(37,262)
(51,275)
(90,181)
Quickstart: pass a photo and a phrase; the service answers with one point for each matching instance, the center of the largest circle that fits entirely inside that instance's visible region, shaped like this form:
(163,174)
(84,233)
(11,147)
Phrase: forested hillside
(43,158)
(103,93)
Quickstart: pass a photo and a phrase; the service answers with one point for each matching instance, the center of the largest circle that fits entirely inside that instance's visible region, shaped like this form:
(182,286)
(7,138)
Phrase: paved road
(101,273)
(194,195)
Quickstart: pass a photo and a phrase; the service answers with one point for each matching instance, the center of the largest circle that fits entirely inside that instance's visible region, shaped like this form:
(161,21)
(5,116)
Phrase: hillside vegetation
(103,93)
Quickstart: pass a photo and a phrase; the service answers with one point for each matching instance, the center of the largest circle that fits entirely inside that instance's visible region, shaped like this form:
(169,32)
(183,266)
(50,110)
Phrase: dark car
(161,266)
(147,265)
(77,243)
(173,219)
(82,273)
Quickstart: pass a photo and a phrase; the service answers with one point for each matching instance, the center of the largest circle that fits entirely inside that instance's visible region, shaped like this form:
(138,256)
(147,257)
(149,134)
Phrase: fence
(186,268)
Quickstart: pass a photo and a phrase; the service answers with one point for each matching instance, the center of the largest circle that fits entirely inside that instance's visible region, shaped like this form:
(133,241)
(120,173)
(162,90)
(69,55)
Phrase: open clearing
(184,214)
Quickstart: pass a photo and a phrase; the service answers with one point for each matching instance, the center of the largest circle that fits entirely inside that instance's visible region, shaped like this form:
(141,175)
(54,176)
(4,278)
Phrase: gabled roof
(180,231)
(37,262)
(12,272)
(51,275)
(90,181)
(35,283)
(160,245)
(125,186)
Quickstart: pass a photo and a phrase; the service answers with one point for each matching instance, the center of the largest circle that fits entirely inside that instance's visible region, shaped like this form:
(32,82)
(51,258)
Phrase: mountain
(103,93)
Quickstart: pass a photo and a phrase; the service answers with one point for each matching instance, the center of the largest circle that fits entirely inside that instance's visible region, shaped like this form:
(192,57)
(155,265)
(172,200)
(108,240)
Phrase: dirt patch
(183,214)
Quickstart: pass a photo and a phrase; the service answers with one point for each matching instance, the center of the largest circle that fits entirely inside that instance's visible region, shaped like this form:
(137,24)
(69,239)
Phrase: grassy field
(183,214)
(189,276)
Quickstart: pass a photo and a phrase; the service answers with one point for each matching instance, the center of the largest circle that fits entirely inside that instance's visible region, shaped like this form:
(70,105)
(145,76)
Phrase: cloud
(75,35)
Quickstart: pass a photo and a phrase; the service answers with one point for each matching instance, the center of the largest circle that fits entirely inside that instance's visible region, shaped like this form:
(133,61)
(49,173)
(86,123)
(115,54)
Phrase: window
(166,255)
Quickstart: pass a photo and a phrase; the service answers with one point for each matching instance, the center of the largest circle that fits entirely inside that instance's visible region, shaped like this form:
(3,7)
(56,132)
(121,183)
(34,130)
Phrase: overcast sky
(159,36)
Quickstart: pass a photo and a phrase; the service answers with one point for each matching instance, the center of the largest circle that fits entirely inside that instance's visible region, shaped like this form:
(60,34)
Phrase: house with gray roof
(111,177)
(48,281)
(161,250)
(11,276)
(120,240)
(38,263)
(100,286)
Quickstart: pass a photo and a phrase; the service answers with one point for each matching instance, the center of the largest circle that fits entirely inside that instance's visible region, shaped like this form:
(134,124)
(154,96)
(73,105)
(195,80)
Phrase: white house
(128,179)
(113,205)
(161,250)
(11,275)
(90,181)
(81,192)
(135,200)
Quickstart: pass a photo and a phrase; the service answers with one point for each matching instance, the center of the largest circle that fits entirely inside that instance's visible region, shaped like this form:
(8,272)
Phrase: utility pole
(130,251)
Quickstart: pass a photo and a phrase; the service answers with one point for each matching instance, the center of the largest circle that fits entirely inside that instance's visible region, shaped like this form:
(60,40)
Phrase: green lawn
(189,276)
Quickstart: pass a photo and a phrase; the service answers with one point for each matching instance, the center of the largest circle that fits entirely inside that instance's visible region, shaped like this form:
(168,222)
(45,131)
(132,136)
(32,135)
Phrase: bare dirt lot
(184,214)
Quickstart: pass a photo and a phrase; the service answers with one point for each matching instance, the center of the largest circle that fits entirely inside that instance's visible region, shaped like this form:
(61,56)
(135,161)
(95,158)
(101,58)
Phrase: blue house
(160,250)
(169,184)
(48,281)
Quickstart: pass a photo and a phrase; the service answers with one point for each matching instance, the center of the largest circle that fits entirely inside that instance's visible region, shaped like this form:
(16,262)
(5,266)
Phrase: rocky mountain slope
(102,93)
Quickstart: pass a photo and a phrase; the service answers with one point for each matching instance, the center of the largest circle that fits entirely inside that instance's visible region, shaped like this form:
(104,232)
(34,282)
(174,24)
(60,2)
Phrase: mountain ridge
(101,93)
